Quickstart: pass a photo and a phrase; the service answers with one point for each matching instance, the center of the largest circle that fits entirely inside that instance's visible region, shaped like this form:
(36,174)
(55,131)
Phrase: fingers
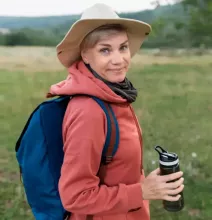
(175,191)
(166,187)
(172,198)
(176,184)
(171,177)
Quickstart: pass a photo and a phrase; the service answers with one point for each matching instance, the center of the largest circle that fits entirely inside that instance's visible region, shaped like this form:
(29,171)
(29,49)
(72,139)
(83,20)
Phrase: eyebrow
(108,45)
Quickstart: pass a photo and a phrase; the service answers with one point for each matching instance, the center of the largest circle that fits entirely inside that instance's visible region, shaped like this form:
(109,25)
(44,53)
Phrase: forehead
(117,38)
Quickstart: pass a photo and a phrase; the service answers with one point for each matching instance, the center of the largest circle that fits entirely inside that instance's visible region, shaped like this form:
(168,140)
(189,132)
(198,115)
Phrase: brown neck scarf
(124,89)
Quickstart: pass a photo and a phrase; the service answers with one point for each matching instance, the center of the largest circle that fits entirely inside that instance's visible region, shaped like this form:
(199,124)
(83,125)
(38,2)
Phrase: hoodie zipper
(139,133)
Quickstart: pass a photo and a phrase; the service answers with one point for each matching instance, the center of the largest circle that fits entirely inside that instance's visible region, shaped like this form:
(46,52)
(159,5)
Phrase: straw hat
(68,50)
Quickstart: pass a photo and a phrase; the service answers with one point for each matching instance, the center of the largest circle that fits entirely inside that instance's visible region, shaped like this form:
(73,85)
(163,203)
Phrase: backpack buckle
(108,159)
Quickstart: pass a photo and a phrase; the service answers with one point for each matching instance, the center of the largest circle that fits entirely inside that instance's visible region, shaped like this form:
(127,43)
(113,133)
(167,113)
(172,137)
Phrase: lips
(117,70)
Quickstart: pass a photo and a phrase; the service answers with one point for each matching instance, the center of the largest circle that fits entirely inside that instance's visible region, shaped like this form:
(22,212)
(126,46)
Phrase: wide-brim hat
(68,50)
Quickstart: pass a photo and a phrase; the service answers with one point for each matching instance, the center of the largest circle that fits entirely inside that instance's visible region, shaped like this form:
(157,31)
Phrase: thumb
(156,171)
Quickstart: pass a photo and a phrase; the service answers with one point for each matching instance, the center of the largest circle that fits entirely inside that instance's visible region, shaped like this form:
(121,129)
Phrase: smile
(117,70)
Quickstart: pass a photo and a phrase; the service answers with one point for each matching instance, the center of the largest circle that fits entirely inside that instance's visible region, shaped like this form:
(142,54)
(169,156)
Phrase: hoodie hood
(81,81)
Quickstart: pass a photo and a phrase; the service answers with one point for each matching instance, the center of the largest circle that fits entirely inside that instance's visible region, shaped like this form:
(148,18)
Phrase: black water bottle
(169,163)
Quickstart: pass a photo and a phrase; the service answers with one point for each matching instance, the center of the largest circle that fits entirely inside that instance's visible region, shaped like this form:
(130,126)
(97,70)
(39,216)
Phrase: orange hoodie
(84,133)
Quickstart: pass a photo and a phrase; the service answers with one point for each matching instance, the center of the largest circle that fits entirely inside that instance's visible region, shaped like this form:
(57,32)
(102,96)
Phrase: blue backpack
(39,152)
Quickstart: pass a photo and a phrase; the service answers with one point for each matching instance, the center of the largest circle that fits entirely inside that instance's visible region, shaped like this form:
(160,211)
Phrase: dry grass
(152,57)
(174,108)
(39,59)
(29,59)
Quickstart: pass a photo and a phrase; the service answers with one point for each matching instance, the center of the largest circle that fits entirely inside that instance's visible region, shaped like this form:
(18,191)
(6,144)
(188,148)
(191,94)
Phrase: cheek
(99,64)
(127,59)
(103,66)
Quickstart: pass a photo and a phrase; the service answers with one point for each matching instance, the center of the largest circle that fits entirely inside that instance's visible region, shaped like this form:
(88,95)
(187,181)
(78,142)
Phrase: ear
(84,56)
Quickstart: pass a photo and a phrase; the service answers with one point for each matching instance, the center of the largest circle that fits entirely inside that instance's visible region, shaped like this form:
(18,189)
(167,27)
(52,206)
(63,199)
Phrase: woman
(97,52)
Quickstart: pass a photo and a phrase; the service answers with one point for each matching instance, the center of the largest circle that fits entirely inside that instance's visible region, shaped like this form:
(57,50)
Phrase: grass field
(174,108)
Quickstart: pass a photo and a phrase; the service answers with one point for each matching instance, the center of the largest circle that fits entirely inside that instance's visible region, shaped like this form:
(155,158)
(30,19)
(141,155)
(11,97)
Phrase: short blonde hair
(100,33)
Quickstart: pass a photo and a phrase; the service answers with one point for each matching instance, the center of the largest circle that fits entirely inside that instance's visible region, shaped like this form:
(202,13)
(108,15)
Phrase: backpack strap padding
(112,137)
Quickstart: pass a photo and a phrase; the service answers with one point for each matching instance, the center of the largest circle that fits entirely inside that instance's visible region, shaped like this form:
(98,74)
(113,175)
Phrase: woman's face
(110,57)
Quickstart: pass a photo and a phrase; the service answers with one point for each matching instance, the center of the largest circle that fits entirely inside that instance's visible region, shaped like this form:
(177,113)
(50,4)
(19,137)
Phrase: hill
(181,25)
(34,22)
(168,11)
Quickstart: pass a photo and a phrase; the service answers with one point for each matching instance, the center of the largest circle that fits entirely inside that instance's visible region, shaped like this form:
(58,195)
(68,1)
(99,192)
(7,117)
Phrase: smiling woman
(97,51)
(96,182)
(106,50)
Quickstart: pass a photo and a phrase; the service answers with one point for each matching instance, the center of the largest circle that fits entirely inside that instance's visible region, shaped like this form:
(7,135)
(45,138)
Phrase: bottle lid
(167,158)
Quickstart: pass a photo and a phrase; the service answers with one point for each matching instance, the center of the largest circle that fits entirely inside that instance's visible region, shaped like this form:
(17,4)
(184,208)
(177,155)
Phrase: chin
(118,79)
(121,77)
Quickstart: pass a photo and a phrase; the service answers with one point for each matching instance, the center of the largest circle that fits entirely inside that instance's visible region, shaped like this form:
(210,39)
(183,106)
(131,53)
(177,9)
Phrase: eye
(124,47)
(105,50)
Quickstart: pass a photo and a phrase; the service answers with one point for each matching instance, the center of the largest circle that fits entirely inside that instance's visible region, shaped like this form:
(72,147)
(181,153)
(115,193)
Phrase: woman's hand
(156,187)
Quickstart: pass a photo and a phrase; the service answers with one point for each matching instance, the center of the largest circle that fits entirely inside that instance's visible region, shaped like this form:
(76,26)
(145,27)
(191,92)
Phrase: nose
(117,58)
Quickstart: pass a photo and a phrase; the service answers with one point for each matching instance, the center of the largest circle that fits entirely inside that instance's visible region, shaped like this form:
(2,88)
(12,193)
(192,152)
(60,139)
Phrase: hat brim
(68,50)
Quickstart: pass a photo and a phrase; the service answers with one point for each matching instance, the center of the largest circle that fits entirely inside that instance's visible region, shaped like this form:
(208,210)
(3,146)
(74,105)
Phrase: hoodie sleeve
(84,137)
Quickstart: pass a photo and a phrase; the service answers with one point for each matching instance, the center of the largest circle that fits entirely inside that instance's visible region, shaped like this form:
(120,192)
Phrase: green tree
(2,39)
(17,38)
(200,22)
(32,37)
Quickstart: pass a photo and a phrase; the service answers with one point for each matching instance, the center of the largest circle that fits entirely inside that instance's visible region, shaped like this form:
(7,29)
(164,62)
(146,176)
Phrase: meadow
(174,108)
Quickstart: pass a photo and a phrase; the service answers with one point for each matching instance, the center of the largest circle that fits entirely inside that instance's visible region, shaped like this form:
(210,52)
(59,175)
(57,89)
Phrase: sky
(66,7)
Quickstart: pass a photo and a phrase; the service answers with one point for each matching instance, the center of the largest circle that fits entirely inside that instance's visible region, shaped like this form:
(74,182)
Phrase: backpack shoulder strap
(112,137)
